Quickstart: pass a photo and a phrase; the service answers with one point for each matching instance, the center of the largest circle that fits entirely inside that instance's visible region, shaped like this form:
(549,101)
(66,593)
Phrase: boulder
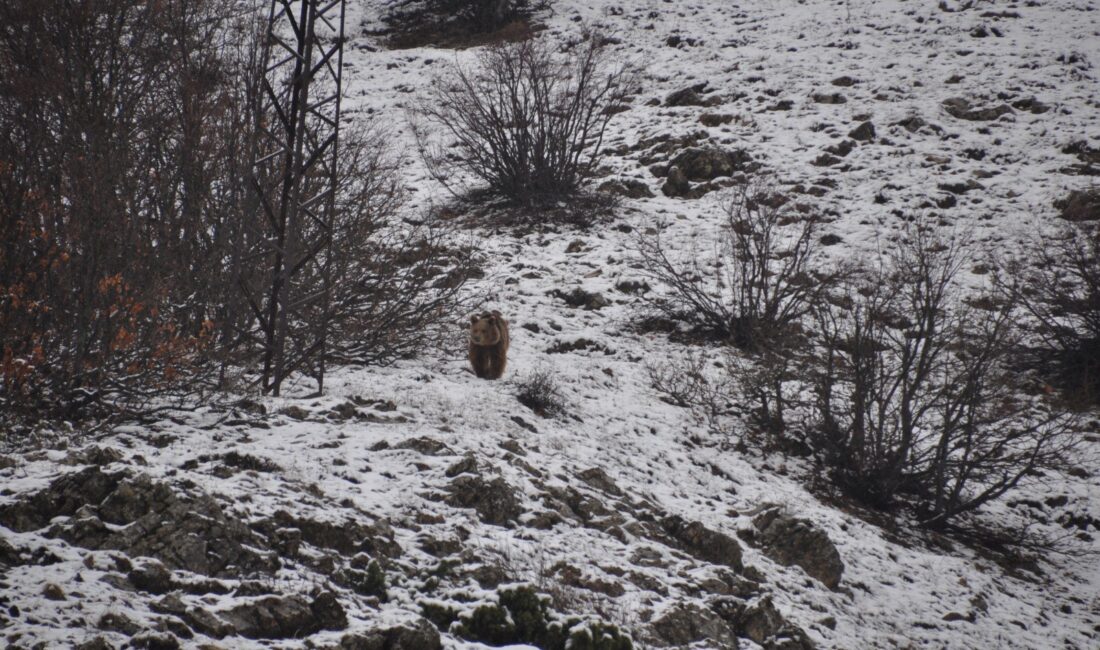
(791,541)
(676,185)
(865,132)
(703,543)
(1080,205)
(692,96)
(285,617)
(762,622)
(495,501)
(628,187)
(419,634)
(960,108)
(689,623)
(141,517)
(708,163)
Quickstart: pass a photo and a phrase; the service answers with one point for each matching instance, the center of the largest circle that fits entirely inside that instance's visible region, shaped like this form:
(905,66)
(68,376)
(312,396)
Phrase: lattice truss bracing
(295,178)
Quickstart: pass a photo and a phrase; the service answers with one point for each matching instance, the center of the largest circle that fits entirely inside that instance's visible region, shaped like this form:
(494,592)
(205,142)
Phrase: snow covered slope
(454,488)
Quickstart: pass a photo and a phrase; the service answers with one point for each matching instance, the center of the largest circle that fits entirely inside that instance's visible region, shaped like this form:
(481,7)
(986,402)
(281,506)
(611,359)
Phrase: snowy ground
(906,58)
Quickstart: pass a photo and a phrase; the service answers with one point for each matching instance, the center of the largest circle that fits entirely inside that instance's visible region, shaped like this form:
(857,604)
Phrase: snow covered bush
(916,395)
(527,121)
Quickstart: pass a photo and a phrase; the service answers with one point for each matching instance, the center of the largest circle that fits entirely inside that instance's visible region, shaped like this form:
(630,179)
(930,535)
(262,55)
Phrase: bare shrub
(761,280)
(540,391)
(396,284)
(915,393)
(1058,287)
(527,121)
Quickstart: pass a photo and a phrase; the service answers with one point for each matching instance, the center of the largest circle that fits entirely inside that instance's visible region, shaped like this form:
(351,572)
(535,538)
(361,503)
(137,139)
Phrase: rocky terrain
(417,507)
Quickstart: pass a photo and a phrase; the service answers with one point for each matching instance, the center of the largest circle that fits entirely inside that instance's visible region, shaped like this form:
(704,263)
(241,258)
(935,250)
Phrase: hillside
(419,491)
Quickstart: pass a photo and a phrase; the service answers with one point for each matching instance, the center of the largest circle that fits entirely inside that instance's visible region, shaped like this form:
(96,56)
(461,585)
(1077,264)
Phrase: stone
(792,541)
(418,634)
(627,187)
(53,591)
(95,643)
(1080,205)
(141,517)
(155,641)
(830,98)
(704,543)
(960,108)
(865,132)
(676,185)
(285,617)
(689,623)
(152,577)
(494,501)
(708,163)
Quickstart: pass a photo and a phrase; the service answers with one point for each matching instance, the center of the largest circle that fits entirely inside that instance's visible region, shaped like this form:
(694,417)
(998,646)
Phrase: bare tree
(111,116)
(915,394)
(527,121)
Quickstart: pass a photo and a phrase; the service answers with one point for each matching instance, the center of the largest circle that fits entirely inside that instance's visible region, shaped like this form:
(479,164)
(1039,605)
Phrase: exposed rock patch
(791,541)
(495,500)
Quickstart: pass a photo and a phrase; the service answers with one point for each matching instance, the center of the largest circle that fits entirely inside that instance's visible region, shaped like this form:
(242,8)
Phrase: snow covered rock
(495,500)
(791,541)
(689,623)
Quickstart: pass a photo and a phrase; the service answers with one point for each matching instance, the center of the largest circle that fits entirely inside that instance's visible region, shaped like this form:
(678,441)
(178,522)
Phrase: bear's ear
(473,319)
(496,314)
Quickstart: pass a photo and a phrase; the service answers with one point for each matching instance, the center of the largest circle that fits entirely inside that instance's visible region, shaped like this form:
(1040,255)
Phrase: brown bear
(488,344)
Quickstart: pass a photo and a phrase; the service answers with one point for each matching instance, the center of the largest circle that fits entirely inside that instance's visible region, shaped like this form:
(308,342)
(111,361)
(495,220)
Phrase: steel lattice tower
(294,174)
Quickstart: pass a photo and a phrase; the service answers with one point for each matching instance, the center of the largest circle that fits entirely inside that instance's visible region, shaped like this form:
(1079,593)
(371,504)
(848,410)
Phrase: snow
(897,587)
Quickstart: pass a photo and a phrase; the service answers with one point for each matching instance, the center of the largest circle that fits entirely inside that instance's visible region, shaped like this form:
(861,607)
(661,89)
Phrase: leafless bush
(915,393)
(761,280)
(541,392)
(527,121)
(1059,289)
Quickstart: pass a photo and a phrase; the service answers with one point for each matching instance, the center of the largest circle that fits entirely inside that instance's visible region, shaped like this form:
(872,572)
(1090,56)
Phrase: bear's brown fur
(488,344)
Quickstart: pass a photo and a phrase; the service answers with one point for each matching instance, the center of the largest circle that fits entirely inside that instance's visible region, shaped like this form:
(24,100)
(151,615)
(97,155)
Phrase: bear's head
(485,329)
